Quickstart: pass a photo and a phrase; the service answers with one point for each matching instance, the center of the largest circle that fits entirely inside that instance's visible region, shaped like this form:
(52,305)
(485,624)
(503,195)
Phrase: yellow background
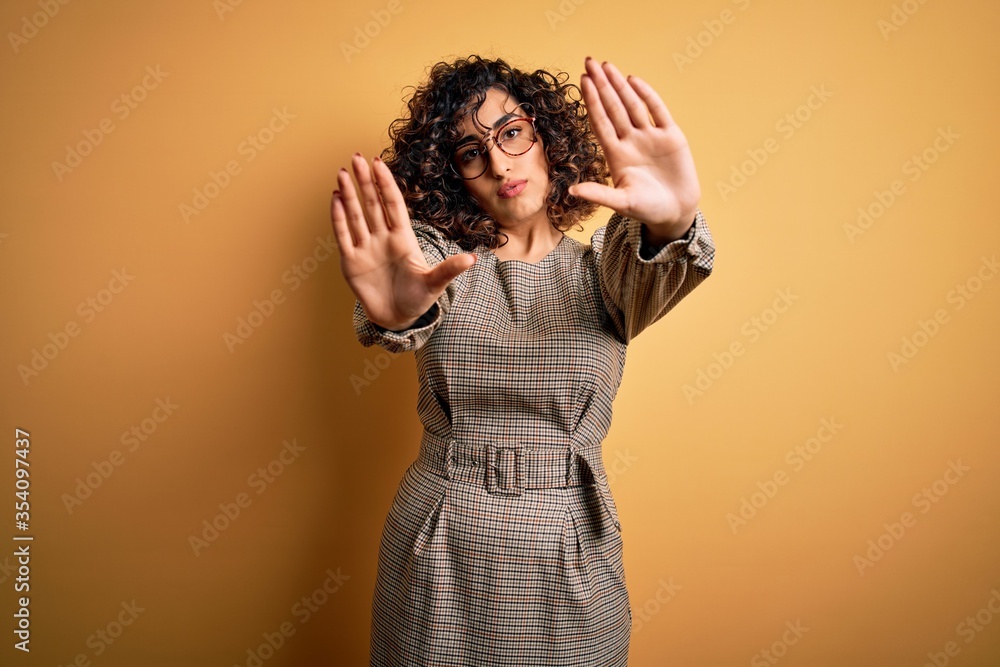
(680,464)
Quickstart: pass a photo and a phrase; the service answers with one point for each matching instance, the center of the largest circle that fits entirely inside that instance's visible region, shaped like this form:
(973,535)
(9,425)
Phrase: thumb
(446,271)
(613,198)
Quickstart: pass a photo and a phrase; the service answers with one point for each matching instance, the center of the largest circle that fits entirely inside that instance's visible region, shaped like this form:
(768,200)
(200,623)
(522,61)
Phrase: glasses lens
(470,160)
(517,136)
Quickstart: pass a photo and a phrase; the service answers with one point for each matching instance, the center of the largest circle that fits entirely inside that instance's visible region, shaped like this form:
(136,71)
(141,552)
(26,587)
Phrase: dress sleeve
(436,249)
(642,283)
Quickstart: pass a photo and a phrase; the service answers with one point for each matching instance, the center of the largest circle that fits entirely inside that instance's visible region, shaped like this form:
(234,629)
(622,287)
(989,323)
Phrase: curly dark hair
(423,141)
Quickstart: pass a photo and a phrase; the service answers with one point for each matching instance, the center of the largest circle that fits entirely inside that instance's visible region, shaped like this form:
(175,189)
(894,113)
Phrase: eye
(468,154)
(512,131)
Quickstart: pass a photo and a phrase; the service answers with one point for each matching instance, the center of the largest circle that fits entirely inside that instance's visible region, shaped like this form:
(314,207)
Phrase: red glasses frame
(486,151)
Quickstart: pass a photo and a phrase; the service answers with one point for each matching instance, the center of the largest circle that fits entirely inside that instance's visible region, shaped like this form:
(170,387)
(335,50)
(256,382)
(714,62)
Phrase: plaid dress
(502,546)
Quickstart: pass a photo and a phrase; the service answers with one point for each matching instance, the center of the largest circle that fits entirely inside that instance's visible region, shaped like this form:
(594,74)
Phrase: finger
(445,271)
(637,111)
(661,115)
(613,198)
(612,103)
(370,201)
(355,216)
(603,128)
(392,198)
(341,231)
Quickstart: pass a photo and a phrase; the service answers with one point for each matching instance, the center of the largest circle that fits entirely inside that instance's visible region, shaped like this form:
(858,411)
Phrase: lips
(511,189)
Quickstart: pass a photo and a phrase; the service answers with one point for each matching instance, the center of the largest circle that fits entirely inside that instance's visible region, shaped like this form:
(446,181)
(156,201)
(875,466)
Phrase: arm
(640,283)
(435,248)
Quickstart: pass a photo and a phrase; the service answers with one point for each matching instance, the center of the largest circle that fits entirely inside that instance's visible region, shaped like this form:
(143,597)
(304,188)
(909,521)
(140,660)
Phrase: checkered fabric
(502,546)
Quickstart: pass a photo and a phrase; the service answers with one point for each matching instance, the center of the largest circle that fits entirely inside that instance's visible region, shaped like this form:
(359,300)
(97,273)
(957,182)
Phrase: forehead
(498,103)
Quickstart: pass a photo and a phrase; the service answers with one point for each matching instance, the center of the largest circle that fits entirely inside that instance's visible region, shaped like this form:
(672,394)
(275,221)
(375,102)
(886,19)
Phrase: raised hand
(649,159)
(379,253)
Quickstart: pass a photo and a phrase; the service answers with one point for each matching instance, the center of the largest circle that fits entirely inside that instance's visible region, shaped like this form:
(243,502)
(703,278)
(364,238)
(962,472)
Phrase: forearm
(662,234)
(423,320)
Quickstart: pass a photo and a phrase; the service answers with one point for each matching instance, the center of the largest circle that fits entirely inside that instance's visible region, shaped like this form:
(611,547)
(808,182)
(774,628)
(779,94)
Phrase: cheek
(542,162)
(477,190)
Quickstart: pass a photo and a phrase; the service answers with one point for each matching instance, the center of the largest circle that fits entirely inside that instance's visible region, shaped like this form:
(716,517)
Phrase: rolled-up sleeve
(641,283)
(436,249)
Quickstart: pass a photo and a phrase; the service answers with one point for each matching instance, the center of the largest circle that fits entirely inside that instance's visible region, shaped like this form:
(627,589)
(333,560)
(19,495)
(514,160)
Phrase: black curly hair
(423,141)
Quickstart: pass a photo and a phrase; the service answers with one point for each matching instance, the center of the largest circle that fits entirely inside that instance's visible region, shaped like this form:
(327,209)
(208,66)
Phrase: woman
(502,545)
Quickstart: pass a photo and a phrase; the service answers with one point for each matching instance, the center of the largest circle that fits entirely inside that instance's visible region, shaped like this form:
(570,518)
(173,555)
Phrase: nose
(499,161)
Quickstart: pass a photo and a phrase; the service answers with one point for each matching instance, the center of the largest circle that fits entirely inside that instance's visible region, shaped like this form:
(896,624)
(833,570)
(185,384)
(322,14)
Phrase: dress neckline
(543,260)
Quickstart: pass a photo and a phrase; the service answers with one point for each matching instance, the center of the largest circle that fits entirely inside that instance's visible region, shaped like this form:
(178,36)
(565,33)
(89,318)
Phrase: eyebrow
(473,138)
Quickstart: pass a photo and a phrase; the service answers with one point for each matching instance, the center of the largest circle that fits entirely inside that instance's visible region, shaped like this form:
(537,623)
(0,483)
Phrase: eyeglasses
(513,138)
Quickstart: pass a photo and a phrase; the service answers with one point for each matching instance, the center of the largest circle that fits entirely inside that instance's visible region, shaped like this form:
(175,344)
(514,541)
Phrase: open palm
(380,256)
(651,165)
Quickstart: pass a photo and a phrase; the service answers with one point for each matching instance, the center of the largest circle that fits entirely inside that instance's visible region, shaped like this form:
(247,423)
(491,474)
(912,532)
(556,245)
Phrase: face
(526,207)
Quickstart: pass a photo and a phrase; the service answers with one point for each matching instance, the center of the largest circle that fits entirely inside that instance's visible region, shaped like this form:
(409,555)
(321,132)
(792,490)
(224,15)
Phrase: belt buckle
(498,480)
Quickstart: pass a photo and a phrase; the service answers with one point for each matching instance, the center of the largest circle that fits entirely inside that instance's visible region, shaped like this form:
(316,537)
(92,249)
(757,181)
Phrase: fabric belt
(504,467)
